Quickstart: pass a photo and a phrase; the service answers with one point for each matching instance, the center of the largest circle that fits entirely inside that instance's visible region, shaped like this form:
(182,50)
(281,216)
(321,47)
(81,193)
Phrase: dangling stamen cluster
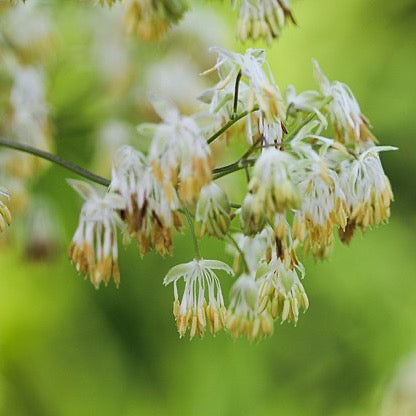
(94,245)
(179,154)
(197,308)
(151,207)
(150,19)
(262,19)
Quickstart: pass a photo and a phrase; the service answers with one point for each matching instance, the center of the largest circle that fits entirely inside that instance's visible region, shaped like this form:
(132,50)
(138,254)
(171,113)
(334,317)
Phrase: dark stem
(237,85)
(55,159)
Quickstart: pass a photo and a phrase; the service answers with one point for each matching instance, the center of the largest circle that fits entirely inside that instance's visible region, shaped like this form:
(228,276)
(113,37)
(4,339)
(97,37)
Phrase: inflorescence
(311,163)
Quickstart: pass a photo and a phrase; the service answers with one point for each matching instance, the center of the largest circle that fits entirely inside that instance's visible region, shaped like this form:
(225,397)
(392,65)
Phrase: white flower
(197,306)
(256,87)
(344,111)
(94,245)
(323,205)
(151,205)
(281,292)
(367,188)
(179,151)
(244,317)
(212,215)
(271,186)
(5,216)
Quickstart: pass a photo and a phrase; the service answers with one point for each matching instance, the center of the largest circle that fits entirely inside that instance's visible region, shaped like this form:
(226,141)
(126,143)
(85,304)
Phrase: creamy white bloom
(179,151)
(150,205)
(344,111)
(367,188)
(281,291)
(202,298)
(323,205)
(244,318)
(94,248)
(256,87)
(212,215)
(271,187)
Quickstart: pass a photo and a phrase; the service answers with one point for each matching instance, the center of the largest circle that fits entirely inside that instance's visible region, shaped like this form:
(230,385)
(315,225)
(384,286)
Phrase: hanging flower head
(344,111)
(262,19)
(197,307)
(367,189)
(244,317)
(94,245)
(179,153)
(151,206)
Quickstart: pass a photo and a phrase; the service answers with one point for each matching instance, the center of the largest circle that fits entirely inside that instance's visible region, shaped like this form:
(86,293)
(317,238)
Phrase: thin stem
(234,167)
(243,257)
(55,159)
(230,123)
(237,85)
(194,239)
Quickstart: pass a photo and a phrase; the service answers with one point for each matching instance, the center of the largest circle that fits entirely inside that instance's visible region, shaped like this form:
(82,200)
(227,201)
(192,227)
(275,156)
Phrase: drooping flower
(281,292)
(323,206)
(151,19)
(256,88)
(367,190)
(271,189)
(244,317)
(94,248)
(262,19)
(202,301)
(151,206)
(349,123)
(212,215)
(179,153)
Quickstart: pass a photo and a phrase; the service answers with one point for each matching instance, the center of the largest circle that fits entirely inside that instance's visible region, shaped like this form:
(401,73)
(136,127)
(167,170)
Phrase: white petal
(217,265)
(176,272)
(83,188)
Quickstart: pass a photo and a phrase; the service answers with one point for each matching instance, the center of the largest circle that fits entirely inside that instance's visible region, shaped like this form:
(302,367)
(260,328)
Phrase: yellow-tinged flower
(179,153)
(212,215)
(151,210)
(244,317)
(367,189)
(202,302)
(281,293)
(94,248)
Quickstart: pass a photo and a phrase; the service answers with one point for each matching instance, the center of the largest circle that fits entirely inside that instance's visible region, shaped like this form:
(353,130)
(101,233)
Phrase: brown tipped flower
(198,309)
(94,246)
(151,206)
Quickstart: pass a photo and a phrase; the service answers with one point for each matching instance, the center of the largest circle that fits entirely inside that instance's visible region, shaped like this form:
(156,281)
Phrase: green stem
(194,239)
(55,159)
(230,123)
(234,167)
(243,257)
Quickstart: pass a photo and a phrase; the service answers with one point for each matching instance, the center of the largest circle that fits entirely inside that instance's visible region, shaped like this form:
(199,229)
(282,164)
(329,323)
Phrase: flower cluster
(301,186)
(311,164)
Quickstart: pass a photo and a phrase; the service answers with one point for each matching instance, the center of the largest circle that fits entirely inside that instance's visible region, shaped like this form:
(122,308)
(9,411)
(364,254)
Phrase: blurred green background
(67,349)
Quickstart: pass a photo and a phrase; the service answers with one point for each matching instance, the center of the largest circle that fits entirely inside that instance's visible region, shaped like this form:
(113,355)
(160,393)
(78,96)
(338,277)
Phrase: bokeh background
(67,349)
